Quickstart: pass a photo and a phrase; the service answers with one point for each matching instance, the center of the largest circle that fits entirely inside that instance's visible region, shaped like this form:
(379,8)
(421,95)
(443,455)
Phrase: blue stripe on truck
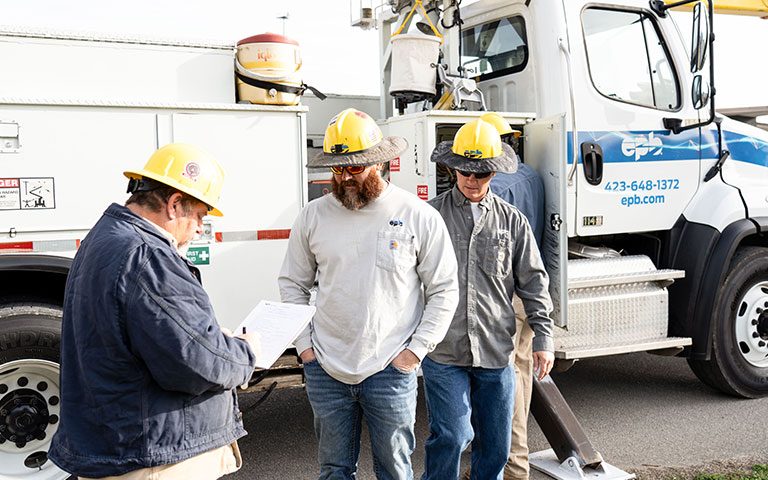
(664,146)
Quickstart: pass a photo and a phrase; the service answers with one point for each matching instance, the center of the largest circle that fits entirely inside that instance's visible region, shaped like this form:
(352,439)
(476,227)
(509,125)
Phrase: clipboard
(278,324)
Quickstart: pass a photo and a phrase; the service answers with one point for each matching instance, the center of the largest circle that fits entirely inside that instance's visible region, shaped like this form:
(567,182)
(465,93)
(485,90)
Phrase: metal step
(616,305)
(664,276)
(615,349)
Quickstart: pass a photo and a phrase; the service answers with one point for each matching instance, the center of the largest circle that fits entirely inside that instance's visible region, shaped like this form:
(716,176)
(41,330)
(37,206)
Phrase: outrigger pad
(546,462)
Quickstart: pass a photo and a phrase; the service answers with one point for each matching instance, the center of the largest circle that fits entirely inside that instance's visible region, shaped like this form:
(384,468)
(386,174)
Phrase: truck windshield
(494,48)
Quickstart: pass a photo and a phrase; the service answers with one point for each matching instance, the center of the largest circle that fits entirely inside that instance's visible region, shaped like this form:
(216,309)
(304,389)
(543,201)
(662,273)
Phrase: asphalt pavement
(639,411)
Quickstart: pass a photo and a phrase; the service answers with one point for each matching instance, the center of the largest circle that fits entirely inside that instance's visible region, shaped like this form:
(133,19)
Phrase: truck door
(545,147)
(631,174)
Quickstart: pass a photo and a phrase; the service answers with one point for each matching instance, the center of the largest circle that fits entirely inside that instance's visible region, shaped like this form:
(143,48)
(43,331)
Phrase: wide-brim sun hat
(476,148)
(353,138)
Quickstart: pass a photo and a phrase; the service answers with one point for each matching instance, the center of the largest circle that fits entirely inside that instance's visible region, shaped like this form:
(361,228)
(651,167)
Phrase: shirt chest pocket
(395,251)
(497,258)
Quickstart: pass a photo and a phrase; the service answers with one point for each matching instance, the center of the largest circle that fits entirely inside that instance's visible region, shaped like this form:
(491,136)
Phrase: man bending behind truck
(147,374)
(469,379)
(386,291)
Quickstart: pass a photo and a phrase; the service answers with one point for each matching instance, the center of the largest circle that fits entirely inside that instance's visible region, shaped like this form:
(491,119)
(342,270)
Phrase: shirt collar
(124,213)
(165,233)
(459,199)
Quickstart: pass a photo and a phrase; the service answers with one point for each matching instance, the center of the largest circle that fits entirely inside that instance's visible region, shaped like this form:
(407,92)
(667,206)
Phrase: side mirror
(699,93)
(699,38)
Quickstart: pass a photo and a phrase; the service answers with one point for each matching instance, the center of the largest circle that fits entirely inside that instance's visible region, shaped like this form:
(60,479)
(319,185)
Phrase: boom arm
(755,8)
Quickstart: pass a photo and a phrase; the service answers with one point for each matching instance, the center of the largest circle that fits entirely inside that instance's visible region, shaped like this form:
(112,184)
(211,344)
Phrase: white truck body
(75,139)
(80,169)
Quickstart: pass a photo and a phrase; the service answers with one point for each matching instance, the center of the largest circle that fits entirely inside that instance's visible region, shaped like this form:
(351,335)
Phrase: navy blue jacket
(525,190)
(147,377)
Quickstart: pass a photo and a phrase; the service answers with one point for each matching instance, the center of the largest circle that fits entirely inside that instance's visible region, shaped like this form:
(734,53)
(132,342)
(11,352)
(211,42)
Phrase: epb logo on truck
(640,146)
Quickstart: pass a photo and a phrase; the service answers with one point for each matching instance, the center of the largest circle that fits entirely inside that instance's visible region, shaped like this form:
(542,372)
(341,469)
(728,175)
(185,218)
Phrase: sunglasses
(477,175)
(350,170)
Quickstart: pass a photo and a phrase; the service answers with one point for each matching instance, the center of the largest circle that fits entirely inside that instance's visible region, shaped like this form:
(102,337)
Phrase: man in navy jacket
(147,373)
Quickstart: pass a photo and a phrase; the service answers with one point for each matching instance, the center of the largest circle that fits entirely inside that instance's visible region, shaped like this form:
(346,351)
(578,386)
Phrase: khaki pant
(206,466)
(517,467)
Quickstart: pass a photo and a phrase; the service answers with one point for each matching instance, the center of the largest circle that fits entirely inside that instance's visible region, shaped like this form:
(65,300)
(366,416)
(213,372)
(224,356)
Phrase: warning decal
(27,193)
(9,194)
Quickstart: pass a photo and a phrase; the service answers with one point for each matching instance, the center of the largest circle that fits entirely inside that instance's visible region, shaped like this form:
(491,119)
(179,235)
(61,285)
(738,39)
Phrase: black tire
(30,332)
(729,369)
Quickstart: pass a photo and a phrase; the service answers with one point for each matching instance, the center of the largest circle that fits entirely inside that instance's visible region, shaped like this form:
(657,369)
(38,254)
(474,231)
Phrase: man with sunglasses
(525,190)
(469,378)
(386,291)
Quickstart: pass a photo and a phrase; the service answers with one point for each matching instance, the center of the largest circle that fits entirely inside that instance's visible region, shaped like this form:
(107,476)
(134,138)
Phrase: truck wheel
(29,390)
(739,360)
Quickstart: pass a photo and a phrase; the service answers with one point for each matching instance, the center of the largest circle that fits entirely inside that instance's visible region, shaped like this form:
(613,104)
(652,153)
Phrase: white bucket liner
(413,58)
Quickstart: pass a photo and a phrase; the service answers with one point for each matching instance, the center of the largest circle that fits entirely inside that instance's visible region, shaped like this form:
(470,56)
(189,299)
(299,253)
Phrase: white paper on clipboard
(278,324)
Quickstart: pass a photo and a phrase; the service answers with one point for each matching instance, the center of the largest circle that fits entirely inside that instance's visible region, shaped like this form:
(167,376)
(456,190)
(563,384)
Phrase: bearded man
(386,291)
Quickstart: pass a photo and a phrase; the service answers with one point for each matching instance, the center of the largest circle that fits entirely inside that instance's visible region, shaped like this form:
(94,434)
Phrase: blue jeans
(467,404)
(388,401)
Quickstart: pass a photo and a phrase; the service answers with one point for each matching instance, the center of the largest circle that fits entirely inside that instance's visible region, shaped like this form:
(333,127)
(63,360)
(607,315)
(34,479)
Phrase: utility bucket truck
(645,184)
(656,227)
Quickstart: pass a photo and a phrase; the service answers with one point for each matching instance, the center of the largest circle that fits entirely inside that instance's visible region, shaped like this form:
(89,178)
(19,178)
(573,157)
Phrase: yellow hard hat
(351,131)
(476,147)
(188,169)
(501,124)
(353,138)
(477,139)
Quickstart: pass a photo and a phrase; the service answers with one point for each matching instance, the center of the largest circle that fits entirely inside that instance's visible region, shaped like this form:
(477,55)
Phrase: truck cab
(656,211)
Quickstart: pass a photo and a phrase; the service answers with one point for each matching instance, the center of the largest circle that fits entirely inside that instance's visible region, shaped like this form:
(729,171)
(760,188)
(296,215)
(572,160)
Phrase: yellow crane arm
(755,8)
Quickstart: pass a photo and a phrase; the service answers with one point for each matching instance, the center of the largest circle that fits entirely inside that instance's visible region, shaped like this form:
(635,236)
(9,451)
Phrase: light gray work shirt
(497,256)
(386,281)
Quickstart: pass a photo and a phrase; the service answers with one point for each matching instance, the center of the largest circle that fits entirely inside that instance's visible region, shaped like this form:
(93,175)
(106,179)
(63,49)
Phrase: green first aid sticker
(199,255)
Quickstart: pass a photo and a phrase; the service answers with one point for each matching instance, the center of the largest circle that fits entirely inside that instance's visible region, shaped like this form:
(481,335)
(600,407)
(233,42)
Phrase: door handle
(592,158)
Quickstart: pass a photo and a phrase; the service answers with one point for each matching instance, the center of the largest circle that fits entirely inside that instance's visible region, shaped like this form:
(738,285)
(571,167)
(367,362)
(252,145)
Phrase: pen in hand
(253,340)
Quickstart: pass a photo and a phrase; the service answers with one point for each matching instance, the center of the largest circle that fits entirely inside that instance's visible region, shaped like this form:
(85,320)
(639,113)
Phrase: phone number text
(639,185)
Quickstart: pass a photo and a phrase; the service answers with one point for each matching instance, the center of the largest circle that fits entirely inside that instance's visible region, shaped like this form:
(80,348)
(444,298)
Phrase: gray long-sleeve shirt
(497,257)
(386,278)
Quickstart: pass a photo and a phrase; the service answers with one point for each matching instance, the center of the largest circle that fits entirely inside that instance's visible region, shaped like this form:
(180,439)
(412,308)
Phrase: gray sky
(339,58)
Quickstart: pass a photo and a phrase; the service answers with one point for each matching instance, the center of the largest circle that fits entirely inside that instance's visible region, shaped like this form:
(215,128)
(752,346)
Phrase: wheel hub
(751,326)
(29,416)
(23,417)
(762,325)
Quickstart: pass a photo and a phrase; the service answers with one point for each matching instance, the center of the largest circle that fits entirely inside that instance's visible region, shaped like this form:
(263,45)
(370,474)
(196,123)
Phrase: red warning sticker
(27,193)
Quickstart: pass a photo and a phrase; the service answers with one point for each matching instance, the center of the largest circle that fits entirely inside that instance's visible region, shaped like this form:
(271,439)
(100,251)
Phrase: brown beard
(362,195)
